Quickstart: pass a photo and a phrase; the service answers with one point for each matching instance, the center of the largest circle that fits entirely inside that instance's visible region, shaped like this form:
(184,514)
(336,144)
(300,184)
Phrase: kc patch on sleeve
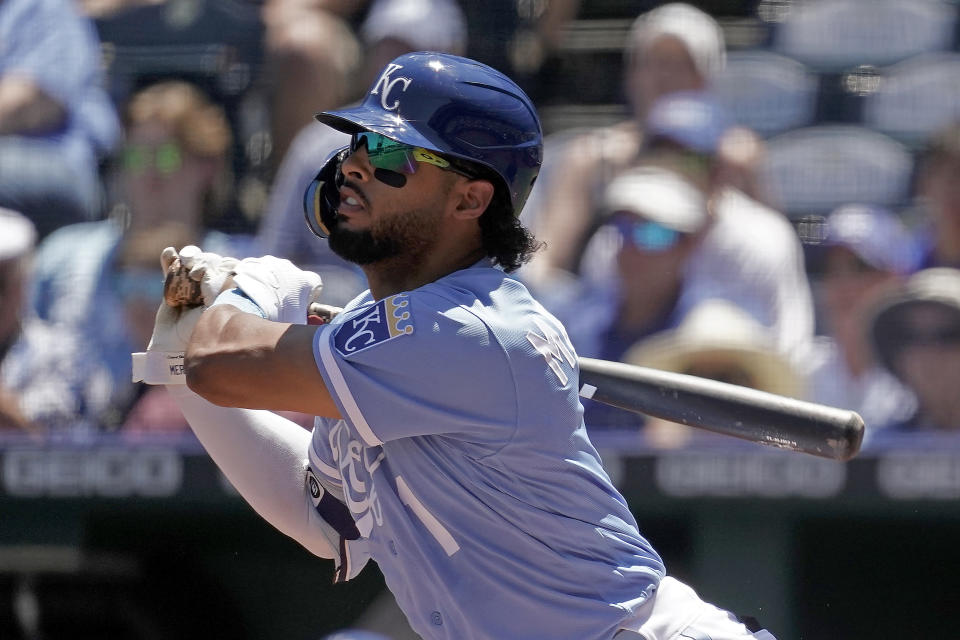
(387,319)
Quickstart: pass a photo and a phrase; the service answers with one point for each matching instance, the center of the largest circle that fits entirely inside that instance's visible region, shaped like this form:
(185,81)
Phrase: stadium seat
(916,98)
(218,45)
(812,170)
(835,35)
(767,92)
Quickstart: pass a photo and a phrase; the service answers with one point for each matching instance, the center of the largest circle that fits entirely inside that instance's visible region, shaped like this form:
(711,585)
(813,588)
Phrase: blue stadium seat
(813,170)
(835,35)
(916,98)
(217,44)
(767,92)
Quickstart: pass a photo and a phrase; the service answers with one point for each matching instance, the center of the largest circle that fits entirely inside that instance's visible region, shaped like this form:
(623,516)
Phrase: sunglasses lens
(134,159)
(384,153)
(647,235)
(655,237)
(167,158)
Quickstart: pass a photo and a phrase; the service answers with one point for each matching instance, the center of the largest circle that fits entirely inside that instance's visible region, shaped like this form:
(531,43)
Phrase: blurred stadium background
(116,536)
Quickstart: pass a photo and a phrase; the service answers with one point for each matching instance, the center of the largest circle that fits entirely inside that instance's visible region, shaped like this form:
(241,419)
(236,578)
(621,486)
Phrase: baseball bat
(732,410)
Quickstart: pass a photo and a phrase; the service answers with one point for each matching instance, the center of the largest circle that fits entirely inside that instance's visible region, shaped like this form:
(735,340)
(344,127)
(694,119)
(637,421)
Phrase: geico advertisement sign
(91,472)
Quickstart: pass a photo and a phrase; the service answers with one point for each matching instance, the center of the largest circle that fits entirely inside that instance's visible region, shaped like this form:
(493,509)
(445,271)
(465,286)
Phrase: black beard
(361,247)
(403,240)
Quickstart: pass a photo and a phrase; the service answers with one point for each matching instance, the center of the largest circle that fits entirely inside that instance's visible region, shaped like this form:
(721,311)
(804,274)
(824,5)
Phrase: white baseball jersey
(464,461)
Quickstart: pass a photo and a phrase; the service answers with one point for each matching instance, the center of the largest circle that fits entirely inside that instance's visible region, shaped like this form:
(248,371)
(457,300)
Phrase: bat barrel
(729,409)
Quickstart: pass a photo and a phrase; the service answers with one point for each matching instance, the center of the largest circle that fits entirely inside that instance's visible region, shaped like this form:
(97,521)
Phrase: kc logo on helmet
(385,85)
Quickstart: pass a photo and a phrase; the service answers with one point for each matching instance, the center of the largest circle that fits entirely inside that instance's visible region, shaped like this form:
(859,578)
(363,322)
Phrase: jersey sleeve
(418,364)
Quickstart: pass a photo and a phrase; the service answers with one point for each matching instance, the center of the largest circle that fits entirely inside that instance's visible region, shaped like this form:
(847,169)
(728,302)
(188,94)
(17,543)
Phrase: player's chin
(360,246)
(356,219)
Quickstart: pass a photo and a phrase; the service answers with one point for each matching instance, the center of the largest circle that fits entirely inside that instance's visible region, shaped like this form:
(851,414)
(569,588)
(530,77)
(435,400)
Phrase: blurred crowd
(779,211)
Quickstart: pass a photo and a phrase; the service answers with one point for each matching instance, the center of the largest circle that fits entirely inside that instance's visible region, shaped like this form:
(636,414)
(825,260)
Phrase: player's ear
(473,196)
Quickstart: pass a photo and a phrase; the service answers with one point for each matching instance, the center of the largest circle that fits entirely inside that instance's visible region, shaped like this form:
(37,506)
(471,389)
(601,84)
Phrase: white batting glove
(213,271)
(283,291)
(163,361)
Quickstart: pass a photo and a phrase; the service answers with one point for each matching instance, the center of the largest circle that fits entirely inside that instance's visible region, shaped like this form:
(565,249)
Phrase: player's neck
(408,272)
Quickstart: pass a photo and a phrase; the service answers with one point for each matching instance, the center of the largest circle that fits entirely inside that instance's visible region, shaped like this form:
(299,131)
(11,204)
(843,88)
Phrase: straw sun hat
(716,336)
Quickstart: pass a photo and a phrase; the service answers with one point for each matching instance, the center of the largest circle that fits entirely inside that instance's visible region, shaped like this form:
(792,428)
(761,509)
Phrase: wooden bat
(732,410)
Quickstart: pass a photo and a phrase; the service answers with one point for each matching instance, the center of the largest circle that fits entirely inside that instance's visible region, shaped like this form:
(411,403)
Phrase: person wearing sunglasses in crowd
(915,332)
(672,236)
(171,182)
(450,445)
(671,48)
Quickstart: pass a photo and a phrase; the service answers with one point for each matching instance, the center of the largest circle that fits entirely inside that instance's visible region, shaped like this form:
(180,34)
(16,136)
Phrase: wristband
(159,367)
(237,298)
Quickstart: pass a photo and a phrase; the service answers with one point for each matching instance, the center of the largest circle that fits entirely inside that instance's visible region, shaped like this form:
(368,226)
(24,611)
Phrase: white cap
(17,234)
(427,25)
(657,195)
(699,32)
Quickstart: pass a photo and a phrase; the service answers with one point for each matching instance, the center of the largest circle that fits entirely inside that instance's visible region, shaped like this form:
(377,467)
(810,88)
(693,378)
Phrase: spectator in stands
(311,56)
(56,120)
(916,332)
(866,252)
(392,27)
(48,380)
(664,249)
(716,340)
(173,177)
(675,47)
(709,241)
(938,188)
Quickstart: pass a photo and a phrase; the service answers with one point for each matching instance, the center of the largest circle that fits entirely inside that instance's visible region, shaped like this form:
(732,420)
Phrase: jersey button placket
(436,618)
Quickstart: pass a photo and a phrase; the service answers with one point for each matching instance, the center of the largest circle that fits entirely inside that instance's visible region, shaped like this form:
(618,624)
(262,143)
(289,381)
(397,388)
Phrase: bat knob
(178,289)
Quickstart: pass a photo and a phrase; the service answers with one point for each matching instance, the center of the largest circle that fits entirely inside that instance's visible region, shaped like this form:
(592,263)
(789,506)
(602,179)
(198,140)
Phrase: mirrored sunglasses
(166,158)
(387,154)
(647,235)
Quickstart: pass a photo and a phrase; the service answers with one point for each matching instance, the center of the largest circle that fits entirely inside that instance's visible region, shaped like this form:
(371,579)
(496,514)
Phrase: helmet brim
(364,118)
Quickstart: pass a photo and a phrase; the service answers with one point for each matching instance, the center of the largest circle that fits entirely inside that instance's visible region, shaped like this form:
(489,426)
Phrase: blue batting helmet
(457,107)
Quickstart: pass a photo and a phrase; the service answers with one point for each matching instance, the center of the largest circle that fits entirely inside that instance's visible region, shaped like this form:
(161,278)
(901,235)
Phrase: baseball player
(450,446)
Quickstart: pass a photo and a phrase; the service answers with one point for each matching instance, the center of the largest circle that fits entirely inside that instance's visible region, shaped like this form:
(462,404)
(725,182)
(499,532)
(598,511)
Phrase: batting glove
(214,272)
(163,361)
(283,291)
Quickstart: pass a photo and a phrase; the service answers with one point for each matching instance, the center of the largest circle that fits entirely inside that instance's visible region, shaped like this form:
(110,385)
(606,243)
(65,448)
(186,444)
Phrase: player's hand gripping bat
(729,409)
(180,290)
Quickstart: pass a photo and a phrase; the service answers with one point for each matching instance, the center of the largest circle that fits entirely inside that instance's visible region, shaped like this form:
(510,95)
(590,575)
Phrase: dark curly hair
(505,240)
